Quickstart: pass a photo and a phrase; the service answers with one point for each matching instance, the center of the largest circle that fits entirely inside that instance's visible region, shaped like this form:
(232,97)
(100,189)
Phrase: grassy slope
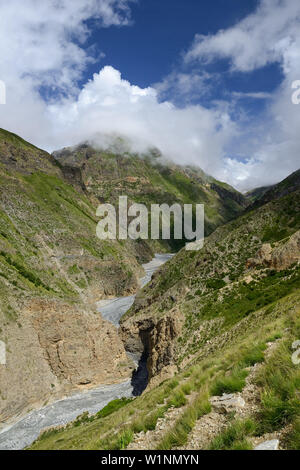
(209,286)
(48,225)
(246,317)
(288,185)
(222,369)
(256,194)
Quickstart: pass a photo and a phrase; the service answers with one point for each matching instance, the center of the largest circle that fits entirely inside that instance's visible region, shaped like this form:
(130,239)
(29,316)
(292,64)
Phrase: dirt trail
(149,440)
(210,425)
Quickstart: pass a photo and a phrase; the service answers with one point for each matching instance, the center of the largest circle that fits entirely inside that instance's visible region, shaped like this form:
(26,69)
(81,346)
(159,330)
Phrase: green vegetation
(113,406)
(235,382)
(220,289)
(191,388)
(178,435)
(149,179)
(15,140)
(228,302)
(235,436)
(215,283)
(280,380)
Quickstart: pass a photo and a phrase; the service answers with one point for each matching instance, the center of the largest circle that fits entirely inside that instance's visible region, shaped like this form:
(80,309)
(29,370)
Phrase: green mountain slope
(221,320)
(256,194)
(149,179)
(288,185)
(53,267)
(52,270)
(178,414)
(244,265)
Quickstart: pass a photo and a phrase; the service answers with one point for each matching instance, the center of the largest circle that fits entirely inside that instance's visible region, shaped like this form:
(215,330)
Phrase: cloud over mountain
(44,56)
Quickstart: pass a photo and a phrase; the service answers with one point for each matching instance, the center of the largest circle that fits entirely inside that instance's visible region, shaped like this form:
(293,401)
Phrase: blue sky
(161,30)
(208,83)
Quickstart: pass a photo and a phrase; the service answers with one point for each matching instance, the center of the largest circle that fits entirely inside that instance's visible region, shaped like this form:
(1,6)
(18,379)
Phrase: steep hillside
(288,185)
(149,179)
(256,194)
(244,265)
(52,270)
(19,155)
(53,267)
(252,363)
(222,320)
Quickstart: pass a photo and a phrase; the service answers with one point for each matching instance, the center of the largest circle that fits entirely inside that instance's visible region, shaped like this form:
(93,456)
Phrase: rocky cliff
(279,257)
(54,349)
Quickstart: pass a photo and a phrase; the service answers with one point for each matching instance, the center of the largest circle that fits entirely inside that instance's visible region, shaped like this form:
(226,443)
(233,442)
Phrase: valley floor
(25,431)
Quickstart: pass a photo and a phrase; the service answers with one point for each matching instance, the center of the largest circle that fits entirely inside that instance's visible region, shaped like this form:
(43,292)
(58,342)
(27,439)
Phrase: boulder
(268,445)
(227,403)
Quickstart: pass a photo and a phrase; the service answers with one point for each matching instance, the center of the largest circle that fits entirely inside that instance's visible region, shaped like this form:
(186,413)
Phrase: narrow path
(149,440)
(209,426)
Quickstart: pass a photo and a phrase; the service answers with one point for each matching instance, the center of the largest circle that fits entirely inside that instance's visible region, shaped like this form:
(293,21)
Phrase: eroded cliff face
(54,349)
(156,338)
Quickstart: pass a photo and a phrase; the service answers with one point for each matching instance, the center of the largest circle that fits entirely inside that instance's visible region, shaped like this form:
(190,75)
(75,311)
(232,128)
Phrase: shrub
(215,283)
(113,406)
(253,356)
(177,400)
(123,440)
(234,437)
(233,383)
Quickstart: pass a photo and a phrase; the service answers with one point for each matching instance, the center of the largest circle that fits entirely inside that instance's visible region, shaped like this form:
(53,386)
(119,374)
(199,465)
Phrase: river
(25,431)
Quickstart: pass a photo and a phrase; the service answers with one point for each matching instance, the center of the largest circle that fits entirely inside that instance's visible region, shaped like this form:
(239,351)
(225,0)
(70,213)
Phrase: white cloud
(108,104)
(255,95)
(186,86)
(38,48)
(42,45)
(271,34)
(42,40)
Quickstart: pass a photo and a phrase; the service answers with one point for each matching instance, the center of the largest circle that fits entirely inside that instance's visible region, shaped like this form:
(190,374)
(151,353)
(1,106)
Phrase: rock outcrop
(156,339)
(268,445)
(227,403)
(57,348)
(279,257)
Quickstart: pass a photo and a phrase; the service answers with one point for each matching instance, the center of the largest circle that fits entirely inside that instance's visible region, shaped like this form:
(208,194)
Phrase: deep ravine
(24,432)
